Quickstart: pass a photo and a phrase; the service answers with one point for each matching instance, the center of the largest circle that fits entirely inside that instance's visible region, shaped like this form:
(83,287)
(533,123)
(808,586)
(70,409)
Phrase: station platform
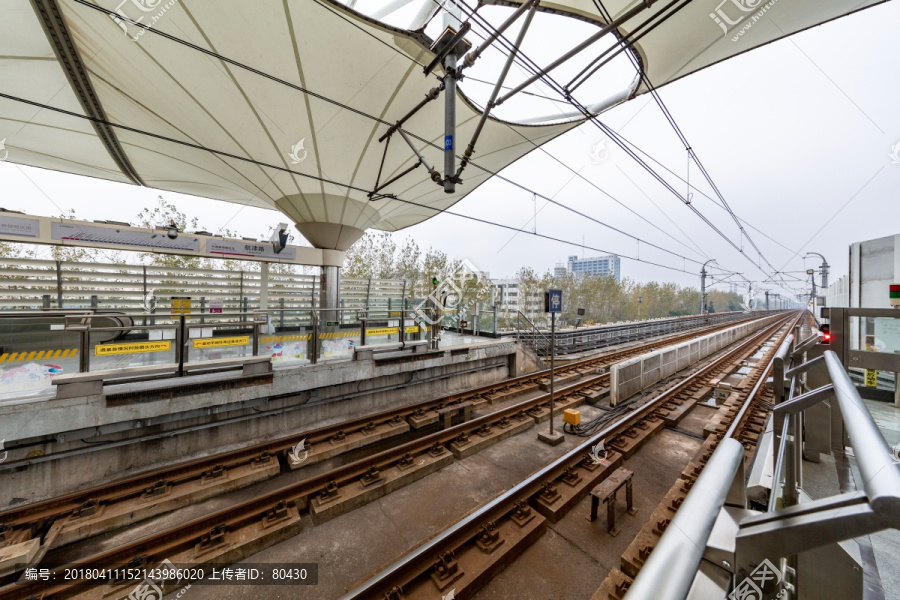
(147,424)
(27,369)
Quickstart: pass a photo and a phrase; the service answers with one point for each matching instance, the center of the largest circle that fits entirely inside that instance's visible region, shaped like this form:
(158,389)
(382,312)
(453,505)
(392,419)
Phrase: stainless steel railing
(669,572)
(789,526)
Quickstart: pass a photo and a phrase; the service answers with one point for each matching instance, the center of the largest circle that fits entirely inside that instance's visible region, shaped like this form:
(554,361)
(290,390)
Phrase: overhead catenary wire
(506,44)
(325,180)
(357,111)
(563,92)
(691,153)
(533,68)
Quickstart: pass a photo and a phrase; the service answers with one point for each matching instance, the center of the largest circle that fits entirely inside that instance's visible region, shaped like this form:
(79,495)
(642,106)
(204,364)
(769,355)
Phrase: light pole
(640,299)
(703,286)
(825,267)
(812,277)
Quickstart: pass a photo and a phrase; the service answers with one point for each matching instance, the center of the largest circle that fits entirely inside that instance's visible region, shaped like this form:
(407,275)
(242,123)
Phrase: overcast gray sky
(797,135)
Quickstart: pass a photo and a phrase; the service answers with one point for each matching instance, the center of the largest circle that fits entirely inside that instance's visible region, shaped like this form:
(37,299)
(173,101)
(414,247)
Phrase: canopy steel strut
(448,48)
(472,56)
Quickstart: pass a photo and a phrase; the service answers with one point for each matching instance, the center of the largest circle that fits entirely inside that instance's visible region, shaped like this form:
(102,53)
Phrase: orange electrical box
(571,416)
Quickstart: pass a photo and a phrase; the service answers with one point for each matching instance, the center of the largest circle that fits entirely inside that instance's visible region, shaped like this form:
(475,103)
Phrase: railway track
(203,478)
(467,554)
(250,526)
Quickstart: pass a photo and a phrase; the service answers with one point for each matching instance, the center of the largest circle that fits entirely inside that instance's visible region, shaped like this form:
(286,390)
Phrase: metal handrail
(669,572)
(880,473)
(534,328)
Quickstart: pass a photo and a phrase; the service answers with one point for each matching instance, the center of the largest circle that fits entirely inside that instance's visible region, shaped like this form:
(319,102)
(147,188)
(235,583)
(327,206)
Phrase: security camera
(279,238)
(172,232)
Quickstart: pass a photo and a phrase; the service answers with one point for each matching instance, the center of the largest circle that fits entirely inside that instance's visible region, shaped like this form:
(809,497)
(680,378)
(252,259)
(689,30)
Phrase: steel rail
(671,568)
(298,495)
(412,563)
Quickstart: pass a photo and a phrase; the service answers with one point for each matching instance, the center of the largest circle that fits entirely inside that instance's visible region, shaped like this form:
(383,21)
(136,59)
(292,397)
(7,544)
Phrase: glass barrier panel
(33,350)
(287,336)
(136,346)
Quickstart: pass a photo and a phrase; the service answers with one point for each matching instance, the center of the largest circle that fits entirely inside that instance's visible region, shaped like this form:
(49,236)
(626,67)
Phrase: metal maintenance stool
(606,491)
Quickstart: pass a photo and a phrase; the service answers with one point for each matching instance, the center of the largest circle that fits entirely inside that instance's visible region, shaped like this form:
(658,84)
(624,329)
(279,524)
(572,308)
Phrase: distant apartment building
(510,297)
(560,270)
(605,266)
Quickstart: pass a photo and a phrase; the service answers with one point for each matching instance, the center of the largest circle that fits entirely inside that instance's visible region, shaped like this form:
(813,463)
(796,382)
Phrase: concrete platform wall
(629,377)
(192,425)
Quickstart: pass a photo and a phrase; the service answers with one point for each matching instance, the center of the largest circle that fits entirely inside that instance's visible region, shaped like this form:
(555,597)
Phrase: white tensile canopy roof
(700,33)
(308,88)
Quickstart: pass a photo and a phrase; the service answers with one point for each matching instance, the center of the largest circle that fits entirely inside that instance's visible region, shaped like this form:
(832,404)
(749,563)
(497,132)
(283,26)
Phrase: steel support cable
(560,90)
(622,49)
(625,42)
(374,118)
(689,149)
(532,68)
(687,146)
(563,92)
(329,181)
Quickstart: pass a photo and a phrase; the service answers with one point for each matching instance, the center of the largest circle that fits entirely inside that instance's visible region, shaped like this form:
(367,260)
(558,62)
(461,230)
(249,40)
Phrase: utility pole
(767,299)
(703,286)
(812,279)
(825,266)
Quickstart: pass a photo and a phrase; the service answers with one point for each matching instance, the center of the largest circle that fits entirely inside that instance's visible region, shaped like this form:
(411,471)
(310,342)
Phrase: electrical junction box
(572,417)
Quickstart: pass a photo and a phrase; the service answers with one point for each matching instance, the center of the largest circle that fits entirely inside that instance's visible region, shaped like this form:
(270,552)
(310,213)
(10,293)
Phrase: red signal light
(826,338)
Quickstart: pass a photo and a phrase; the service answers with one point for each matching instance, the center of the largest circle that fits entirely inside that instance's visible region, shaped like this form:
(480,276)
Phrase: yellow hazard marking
(278,339)
(132,348)
(9,357)
(333,335)
(241,340)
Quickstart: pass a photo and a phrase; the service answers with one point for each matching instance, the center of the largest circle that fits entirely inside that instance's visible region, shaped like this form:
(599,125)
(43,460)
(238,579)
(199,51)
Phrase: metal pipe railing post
(84,361)
(314,355)
(256,332)
(59,289)
(880,474)
(180,343)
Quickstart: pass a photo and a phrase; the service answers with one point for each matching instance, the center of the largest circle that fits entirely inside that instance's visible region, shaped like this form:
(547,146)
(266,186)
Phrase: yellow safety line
(3,357)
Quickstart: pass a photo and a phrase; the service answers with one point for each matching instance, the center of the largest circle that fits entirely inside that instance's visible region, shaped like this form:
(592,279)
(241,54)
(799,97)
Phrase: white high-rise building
(606,266)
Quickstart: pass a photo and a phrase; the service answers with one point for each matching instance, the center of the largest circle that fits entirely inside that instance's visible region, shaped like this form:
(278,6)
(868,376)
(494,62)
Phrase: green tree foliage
(378,255)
